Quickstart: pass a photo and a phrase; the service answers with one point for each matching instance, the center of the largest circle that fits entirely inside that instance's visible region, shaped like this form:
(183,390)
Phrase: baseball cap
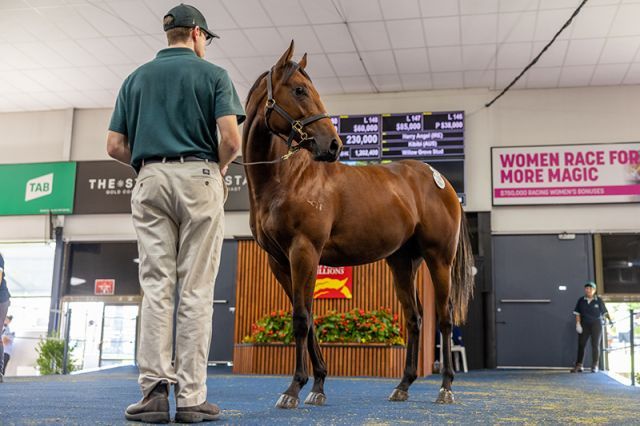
(590,284)
(189,17)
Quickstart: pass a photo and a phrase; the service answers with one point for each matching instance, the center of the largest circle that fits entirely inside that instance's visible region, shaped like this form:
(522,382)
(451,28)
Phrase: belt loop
(143,162)
(164,160)
(206,160)
(181,159)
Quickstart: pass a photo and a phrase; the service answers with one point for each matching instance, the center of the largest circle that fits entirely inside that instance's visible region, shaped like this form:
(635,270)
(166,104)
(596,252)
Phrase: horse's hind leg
(441,277)
(404,269)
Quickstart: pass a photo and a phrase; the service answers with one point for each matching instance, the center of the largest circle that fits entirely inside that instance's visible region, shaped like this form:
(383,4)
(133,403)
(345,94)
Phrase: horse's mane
(255,86)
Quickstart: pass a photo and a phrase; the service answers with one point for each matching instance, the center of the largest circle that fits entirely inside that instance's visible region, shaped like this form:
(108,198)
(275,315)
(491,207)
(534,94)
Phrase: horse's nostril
(334,147)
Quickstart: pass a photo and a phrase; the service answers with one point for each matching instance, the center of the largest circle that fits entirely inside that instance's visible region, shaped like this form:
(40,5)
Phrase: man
(164,124)
(4,307)
(7,337)
(589,313)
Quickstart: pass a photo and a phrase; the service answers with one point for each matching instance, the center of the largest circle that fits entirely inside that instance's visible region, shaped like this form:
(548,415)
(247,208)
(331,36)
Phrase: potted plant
(51,356)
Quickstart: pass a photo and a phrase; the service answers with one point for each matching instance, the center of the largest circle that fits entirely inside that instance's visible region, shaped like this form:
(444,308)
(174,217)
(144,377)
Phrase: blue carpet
(487,397)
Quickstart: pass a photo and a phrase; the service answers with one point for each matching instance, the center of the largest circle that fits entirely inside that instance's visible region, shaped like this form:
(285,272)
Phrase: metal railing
(630,347)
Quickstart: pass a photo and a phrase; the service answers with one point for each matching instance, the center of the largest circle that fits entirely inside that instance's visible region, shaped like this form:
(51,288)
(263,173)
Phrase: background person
(589,311)
(165,125)
(5,298)
(7,340)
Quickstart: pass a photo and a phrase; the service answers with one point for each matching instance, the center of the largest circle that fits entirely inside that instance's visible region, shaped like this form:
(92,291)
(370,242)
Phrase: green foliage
(272,328)
(356,326)
(51,356)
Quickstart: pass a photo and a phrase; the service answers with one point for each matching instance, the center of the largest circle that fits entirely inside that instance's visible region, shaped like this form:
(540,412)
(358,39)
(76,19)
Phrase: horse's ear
(286,56)
(303,62)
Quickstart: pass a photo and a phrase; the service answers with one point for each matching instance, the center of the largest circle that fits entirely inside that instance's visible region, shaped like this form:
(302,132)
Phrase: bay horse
(311,209)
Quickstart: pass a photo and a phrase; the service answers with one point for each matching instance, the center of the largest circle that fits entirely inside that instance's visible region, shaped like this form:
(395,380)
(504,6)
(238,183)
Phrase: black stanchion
(604,358)
(67,331)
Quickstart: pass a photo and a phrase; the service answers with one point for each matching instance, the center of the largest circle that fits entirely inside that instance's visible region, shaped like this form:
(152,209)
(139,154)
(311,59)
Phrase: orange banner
(334,282)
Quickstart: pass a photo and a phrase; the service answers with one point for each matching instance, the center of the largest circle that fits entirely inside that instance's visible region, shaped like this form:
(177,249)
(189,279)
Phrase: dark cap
(189,17)
(590,284)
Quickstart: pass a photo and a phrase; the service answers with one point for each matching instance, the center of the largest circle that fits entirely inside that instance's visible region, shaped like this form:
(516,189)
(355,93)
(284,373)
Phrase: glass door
(119,326)
(84,333)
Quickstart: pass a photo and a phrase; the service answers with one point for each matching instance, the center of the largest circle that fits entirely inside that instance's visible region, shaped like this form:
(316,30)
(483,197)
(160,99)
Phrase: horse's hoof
(445,396)
(399,395)
(287,402)
(315,398)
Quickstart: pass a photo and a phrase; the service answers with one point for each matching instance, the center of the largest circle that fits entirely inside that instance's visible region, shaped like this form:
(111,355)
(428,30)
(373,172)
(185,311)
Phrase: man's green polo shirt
(168,107)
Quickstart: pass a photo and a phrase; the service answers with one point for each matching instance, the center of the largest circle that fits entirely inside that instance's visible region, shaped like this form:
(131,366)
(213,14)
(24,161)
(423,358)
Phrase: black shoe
(577,369)
(198,413)
(153,408)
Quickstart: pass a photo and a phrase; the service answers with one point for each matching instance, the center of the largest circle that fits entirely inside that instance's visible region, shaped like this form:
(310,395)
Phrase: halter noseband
(297,126)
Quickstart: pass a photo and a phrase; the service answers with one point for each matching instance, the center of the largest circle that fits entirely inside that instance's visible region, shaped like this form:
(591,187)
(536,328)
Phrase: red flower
(361,311)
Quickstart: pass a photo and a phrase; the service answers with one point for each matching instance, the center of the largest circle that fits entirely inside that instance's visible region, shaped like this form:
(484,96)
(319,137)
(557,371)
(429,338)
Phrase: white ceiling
(75,53)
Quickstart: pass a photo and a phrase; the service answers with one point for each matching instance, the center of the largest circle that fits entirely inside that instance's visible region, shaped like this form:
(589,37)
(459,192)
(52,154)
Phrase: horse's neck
(260,145)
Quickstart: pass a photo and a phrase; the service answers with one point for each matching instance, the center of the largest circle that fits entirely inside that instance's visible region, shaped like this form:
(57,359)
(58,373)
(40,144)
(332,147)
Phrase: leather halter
(297,126)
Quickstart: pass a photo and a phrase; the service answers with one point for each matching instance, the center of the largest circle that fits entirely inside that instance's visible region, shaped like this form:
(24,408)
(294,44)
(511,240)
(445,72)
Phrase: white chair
(455,349)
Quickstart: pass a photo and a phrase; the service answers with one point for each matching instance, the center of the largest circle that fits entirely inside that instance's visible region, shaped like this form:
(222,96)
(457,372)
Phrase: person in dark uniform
(4,307)
(589,313)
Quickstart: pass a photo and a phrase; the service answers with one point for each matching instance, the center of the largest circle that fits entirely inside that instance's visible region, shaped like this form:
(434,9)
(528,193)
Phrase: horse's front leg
(304,264)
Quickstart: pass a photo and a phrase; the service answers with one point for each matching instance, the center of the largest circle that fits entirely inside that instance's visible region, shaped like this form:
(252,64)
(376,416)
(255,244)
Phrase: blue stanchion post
(632,344)
(67,330)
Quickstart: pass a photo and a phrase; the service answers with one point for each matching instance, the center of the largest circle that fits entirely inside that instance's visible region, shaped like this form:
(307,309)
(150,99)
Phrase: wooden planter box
(342,359)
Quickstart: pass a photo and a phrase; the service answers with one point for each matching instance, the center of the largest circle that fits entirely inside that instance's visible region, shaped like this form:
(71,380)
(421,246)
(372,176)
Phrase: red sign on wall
(334,282)
(105,287)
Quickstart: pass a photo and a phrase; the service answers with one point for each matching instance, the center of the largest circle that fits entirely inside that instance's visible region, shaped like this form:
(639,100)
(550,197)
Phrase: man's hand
(223,171)
(578,328)
(118,147)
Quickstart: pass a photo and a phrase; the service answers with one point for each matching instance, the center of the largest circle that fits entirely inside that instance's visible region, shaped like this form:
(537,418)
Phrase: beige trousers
(178,217)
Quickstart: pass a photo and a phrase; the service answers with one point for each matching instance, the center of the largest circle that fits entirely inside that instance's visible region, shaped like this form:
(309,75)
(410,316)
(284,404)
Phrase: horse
(308,209)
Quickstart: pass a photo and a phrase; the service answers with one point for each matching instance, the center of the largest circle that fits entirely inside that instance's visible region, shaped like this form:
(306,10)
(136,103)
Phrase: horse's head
(294,108)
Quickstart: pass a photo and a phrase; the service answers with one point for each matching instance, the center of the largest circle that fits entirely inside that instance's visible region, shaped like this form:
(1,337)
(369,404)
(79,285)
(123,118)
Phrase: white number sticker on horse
(437,177)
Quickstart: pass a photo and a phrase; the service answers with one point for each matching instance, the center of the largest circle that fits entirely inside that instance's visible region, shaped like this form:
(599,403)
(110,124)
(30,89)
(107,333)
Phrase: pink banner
(566,174)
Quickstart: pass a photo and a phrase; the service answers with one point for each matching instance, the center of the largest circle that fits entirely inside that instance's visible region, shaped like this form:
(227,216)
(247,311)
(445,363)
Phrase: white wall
(522,117)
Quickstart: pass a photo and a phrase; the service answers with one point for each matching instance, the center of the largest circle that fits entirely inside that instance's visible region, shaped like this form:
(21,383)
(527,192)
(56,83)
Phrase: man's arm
(229,146)
(118,147)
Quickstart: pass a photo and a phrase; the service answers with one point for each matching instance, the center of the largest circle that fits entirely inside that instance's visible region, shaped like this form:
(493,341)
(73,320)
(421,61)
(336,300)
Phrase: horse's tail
(462,275)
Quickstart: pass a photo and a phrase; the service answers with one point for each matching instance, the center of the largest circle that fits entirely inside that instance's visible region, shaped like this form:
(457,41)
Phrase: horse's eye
(300,91)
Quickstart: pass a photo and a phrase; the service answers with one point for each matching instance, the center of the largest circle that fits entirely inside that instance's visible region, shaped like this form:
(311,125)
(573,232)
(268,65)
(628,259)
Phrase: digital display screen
(436,138)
